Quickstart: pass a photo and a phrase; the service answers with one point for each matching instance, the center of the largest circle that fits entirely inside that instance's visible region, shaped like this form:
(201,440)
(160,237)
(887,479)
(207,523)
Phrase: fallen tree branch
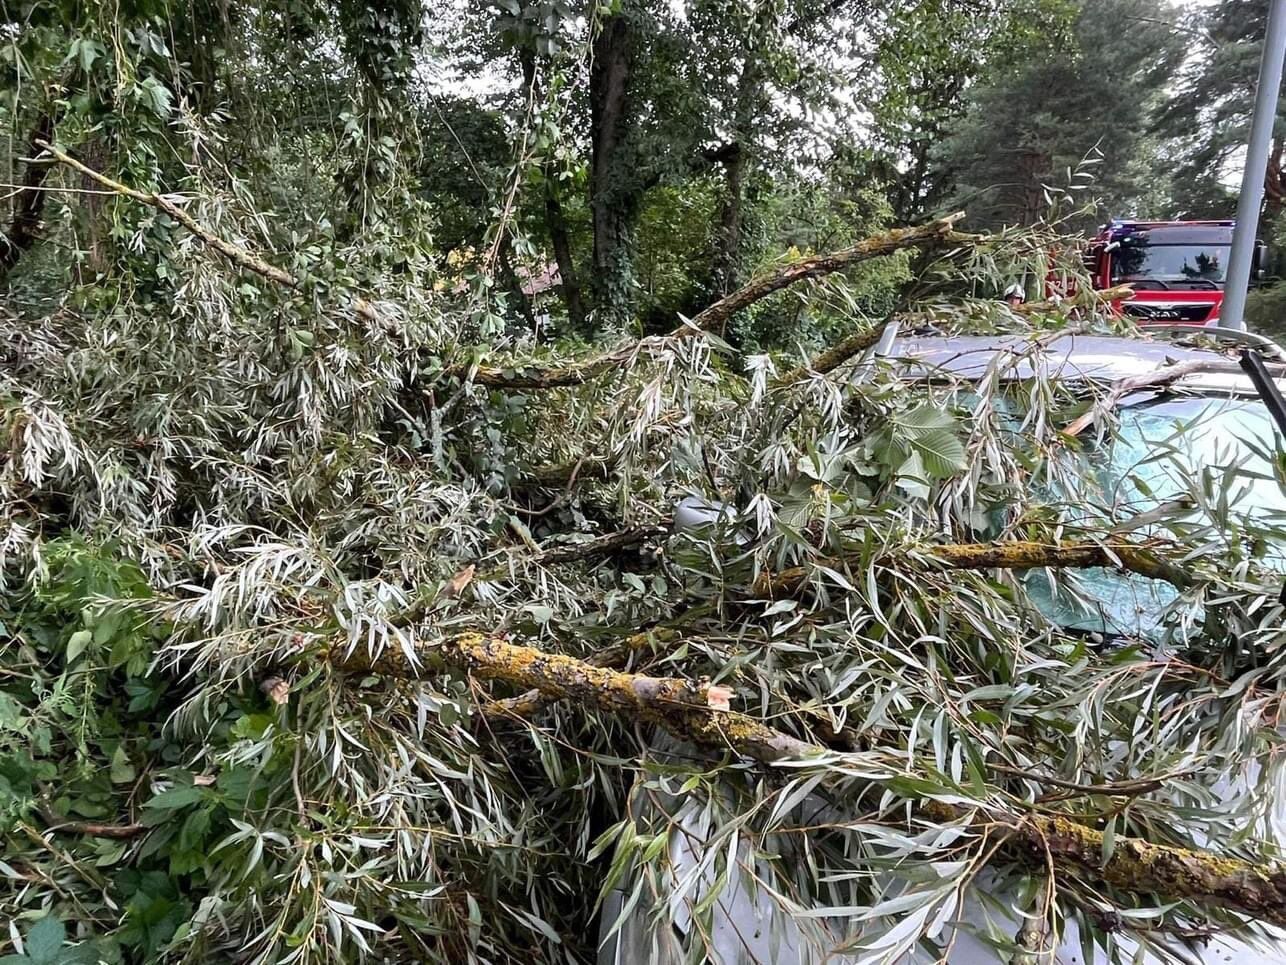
(1145,785)
(1085,298)
(598,546)
(533,701)
(1123,387)
(577,373)
(1257,890)
(692,711)
(832,358)
(233,253)
(1013,555)
(583,550)
(118,832)
(818,266)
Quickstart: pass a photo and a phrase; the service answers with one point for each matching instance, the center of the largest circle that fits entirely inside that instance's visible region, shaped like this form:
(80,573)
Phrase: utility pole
(1233,312)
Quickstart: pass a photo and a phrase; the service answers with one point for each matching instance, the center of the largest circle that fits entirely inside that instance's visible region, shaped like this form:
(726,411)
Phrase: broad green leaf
(941,452)
(45,940)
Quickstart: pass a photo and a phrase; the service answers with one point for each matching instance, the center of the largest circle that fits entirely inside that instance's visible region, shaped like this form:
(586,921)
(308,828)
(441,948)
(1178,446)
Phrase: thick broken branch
(577,373)
(689,710)
(818,266)
(1014,555)
(533,701)
(1257,890)
(234,253)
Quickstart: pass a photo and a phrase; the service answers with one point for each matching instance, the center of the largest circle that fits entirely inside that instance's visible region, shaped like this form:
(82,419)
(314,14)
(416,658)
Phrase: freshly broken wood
(1013,555)
(1123,387)
(1085,298)
(1254,889)
(234,253)
(578,373)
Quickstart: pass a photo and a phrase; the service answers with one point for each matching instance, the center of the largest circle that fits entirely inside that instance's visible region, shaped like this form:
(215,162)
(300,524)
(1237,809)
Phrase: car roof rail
(1236,336)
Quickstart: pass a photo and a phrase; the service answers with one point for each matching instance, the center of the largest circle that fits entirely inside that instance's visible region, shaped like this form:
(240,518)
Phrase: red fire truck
(1176,268)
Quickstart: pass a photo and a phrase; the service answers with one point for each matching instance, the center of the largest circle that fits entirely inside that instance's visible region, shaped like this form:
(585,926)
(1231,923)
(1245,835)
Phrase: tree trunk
(95,153)
(514,284)
(727,263)
(554,220)
(728,237)
(613,201)
(561,240)
(1274,189)
(29,201)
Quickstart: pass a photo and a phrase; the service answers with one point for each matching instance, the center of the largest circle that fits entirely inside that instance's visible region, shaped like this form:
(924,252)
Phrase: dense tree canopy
(354,360)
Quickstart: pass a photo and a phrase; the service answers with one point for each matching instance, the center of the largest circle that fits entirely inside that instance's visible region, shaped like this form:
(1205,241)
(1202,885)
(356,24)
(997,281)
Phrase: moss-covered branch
(836,355)
(1257,890)
(818,266)
(1013,555)
(535,377)
(690,710)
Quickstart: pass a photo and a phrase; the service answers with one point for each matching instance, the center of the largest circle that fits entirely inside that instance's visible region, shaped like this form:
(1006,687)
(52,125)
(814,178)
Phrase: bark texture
(690,710)
(1257,890)
(832,358)
(560,238)
(1013,555)
(29,199)
(614,197)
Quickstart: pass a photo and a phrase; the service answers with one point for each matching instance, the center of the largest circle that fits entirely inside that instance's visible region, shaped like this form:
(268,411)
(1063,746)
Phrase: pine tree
(1045,109)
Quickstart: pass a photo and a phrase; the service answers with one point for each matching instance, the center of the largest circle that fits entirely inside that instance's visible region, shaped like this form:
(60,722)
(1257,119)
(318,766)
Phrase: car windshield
(1216,453)
(1138,259)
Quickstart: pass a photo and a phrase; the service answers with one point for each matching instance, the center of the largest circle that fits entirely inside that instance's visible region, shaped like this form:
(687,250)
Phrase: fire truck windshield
(1139,260)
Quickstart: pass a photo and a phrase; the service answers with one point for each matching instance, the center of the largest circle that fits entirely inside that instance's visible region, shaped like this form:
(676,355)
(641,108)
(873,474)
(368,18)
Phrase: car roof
(1075,358)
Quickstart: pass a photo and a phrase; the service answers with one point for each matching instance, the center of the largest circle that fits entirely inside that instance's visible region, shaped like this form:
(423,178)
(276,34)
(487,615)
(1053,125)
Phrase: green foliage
(214,486)
(1045,108)
(1207,120)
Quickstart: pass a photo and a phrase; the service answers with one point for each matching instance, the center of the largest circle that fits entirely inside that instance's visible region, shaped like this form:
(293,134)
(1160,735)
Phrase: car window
(1215,452)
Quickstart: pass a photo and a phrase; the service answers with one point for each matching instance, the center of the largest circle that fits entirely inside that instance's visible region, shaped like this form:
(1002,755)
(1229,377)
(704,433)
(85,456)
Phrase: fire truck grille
(1168,313)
